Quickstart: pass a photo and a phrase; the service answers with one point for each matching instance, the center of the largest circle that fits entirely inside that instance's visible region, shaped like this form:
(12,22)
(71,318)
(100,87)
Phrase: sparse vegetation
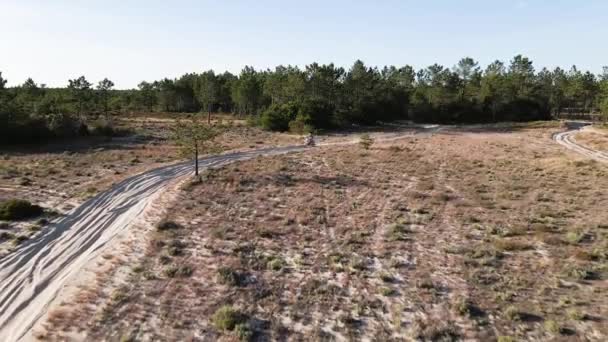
(275,264)
(387,291)
(167,225)
(397,232)
(552,327)
(435,331)
(17,209)
(366,141)
(226,318)
(511,245)
(182,271)
(575,237)
(512,313)
(576,315)
(228,276)
(452,229)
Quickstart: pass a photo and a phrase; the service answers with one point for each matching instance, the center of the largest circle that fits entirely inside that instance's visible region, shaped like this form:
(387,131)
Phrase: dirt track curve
(567,139)
(32,276)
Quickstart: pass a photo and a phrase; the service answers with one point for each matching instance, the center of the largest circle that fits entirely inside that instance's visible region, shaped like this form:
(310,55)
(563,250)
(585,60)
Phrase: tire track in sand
(567,140)
(32,276)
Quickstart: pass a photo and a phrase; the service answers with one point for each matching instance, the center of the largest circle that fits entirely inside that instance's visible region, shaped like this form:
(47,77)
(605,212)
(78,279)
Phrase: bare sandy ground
(568,140)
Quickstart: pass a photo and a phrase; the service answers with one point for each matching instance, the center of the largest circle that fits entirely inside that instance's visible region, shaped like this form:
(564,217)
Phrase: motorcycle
(310,141)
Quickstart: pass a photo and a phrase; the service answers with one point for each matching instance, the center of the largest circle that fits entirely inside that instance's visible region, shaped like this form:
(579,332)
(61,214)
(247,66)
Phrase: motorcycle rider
(310,140)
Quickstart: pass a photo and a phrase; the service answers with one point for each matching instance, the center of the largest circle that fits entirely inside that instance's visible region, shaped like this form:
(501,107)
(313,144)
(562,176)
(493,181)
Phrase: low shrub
(425,283)
(579,272)
(511,313)
(20,239)
(176,248)
(435,331)
(228,276)
(387,291)
(106,129)
(397,232)
(167,225)
(505,339)
(278,116)
(243,332)
(575,237)
(552,326)
(16,209)
(511,245)
(576,315)
(366,141)
(463,306)
(387,277)
(275,264)
(183,271)
(4,236)
(227,318)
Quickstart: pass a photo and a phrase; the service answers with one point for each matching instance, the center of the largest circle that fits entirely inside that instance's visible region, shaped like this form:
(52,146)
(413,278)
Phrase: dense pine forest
(315,97)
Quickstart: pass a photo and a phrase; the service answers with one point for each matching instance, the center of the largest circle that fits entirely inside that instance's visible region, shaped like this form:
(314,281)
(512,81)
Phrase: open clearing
(470,233)
(61,176)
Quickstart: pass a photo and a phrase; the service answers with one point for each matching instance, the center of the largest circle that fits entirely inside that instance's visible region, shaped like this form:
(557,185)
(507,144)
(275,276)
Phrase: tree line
(314,97)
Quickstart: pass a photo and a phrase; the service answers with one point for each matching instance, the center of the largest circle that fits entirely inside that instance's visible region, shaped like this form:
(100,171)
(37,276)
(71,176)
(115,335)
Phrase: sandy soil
(469,233)
(61,176)
(584,140)
(40,257)
(594,138)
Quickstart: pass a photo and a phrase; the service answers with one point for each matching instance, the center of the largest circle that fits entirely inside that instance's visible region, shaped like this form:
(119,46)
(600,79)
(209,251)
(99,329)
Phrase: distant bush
(387,291)
(228,276)
(167,225)
(227,318)
(16,209)
(182,271)
(575,237)
(275,264)
(278,117)
(301,125)
(106,129)
(6,236)
(366,141)
(511,245)
(553,327)
(18,128)
(20,239)
(604,109)
(576,315)
(397,232)
(512,313)
(243,332)
(63,126)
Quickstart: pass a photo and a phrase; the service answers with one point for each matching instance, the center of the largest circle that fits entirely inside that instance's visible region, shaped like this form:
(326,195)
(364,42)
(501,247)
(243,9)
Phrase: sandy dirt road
(567,139)
(32,276)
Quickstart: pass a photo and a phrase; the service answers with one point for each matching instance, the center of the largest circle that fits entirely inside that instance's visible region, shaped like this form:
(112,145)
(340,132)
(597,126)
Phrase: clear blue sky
(129,41)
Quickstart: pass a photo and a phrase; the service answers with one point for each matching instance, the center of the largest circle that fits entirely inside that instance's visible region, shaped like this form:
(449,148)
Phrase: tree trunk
(106,111)
(209,114)
(196,159)
(80,115)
